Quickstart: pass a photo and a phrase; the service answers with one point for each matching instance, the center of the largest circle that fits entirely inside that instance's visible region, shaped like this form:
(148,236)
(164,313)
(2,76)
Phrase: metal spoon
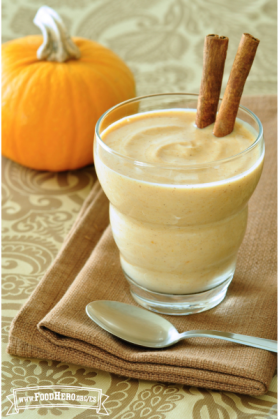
(144,328)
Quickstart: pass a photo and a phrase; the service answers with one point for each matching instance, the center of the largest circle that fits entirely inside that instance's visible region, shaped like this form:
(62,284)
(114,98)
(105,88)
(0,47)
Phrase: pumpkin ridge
(15,72)
(39,151)
(90,103)
(66,154)
(51,70)
(94,70)
(121,88)
(95,101)
(14,127)
(74,131)
(17,49)
(19,64)
(111,83)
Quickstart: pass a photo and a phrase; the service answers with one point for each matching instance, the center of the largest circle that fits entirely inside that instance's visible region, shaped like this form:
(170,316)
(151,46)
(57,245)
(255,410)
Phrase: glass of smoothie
(178,198)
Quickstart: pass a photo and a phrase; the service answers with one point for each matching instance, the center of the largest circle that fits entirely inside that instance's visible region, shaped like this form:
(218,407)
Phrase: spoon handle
(267,344)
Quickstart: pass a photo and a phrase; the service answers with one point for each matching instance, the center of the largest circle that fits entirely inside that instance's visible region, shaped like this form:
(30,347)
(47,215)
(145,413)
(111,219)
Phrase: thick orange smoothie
(178,198)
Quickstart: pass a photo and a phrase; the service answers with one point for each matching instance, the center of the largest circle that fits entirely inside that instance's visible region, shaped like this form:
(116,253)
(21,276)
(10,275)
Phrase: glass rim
(176,167)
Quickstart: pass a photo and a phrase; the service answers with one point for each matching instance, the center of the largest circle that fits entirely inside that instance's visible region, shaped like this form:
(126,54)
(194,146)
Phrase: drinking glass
(178,227)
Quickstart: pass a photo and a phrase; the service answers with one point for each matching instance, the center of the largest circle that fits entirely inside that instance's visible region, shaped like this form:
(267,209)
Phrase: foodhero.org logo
(26,398)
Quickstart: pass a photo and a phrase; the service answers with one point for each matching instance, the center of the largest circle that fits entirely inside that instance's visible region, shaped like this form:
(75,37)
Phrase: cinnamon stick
(214,56)
(229,106)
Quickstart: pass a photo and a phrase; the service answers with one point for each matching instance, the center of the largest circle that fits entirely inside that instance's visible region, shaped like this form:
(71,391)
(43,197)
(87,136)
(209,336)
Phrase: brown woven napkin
(53,324)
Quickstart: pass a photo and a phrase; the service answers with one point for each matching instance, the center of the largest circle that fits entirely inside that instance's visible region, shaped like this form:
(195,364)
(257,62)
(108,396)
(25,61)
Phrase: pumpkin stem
(57,44)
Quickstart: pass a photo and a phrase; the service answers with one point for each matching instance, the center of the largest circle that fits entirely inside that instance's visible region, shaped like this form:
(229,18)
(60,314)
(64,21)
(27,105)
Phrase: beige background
(161,40)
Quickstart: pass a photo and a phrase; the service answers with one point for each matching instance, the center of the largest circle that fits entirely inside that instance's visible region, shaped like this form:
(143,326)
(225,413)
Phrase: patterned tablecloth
(162,42)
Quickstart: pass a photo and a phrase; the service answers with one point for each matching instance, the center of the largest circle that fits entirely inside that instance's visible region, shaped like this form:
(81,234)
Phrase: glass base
(178,304)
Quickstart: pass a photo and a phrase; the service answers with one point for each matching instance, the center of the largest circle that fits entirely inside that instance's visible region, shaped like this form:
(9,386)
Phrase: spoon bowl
(133,324)
(144,328)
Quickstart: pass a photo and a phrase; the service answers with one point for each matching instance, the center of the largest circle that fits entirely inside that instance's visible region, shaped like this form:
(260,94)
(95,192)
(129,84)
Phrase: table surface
(39,208)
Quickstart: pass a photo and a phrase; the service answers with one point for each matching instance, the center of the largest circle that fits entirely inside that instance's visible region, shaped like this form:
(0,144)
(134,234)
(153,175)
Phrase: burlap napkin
(53,324)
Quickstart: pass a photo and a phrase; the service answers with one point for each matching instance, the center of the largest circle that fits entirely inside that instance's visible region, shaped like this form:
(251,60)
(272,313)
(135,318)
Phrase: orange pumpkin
(50,108)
